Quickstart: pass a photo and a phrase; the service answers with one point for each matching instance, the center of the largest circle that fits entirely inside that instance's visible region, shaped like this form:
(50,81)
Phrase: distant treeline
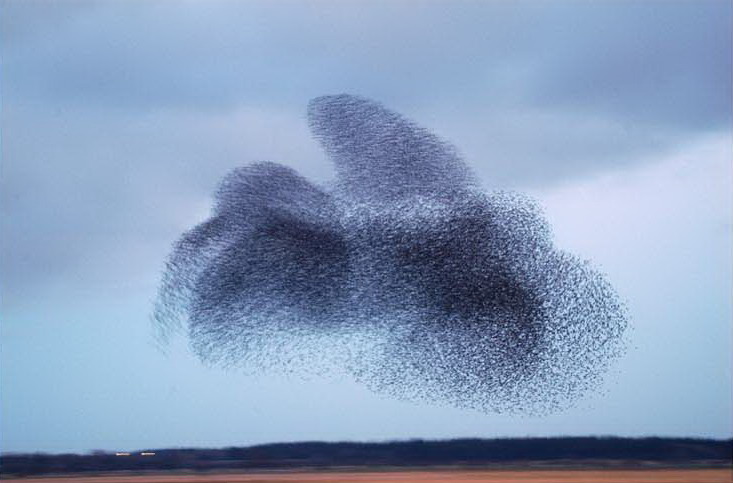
(467,452)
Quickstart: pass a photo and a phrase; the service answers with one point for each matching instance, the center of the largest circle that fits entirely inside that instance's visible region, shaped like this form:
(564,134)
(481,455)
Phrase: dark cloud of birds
(403,273)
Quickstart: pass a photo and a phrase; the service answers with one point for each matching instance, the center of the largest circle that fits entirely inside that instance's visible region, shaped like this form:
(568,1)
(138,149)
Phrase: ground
(717,475)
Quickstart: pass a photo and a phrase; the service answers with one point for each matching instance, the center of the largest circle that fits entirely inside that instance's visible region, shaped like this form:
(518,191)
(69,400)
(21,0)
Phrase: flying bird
(403,272)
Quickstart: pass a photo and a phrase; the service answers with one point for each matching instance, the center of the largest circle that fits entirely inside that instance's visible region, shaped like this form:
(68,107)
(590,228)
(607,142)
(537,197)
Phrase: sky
(119,118)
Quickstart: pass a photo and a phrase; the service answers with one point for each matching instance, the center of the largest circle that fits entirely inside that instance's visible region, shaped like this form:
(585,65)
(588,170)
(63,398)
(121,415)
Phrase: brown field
(724,475)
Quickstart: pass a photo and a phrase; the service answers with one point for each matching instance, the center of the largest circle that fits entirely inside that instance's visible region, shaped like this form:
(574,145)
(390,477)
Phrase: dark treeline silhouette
(466,452)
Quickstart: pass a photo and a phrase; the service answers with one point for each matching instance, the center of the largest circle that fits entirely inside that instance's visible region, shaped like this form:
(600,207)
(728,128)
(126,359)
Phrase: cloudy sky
(119,118)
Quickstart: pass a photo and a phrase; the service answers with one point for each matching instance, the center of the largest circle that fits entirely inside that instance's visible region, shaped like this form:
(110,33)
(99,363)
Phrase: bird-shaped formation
(403,272)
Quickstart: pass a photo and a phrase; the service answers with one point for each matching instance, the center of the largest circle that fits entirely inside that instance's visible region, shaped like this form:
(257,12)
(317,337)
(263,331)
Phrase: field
(718,475)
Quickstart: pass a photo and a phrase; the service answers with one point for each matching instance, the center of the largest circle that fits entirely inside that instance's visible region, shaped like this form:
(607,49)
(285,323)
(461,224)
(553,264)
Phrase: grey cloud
(517,148)
(217,54)
(106,105)
(650,62)
(616,80)
(86,197)
(664,62)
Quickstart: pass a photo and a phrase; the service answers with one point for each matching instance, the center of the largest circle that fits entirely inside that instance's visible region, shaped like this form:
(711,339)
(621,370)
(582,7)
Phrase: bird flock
(402,273)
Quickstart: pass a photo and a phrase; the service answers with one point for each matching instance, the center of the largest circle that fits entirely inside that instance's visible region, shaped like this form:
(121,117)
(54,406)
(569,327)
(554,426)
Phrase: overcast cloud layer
(118,119)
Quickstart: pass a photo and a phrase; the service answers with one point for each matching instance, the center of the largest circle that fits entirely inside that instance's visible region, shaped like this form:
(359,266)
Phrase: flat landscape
(719,475)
